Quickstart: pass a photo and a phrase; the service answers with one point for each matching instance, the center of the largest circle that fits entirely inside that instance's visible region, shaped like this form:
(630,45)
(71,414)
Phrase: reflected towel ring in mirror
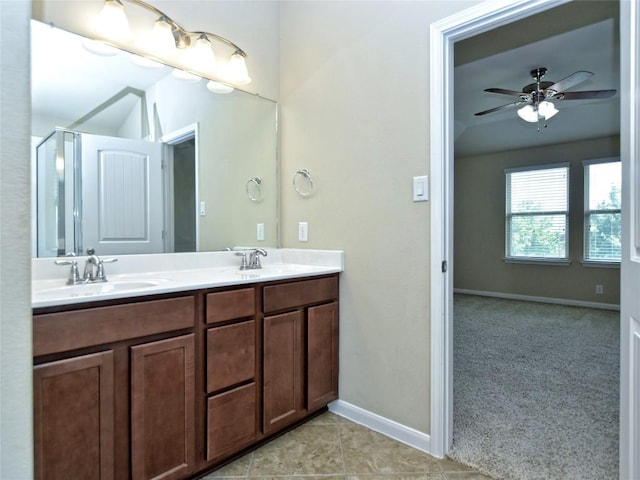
(299,185)
(254,189)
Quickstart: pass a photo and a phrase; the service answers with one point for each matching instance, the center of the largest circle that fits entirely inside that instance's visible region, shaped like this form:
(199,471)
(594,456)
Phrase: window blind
(537,201)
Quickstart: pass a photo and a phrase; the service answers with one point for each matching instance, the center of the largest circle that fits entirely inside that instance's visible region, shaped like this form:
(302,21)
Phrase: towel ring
(254,189)
(304,173)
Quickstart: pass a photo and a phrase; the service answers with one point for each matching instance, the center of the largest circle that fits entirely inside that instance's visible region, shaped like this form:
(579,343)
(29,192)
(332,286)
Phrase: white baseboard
(389,428)
(531,298)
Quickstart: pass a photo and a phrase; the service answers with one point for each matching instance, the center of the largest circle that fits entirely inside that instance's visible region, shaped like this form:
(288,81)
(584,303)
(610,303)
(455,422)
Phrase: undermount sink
(89,289)
(283,269)
(268,270)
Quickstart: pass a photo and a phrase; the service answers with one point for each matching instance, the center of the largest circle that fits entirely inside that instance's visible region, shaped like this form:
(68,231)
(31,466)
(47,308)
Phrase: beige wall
(355,112)
(479,239)
(16,427)
(237,140)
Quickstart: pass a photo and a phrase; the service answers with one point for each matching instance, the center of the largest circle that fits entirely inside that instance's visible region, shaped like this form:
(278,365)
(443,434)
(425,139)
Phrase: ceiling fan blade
(570,81)
(587,94)
(504,92)
(501,107)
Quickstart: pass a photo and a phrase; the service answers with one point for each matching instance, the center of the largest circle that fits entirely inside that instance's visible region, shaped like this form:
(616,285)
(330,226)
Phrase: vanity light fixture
(196,48)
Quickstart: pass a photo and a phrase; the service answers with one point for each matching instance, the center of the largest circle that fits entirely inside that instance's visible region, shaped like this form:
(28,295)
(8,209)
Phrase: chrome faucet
(93,268)
(254,258)
(97,263)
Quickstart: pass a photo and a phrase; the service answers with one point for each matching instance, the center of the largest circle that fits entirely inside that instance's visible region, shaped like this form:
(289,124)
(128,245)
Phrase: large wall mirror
(131,158)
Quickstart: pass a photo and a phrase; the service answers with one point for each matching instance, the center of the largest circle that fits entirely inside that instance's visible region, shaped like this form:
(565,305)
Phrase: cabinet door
(73,418)
(231,421)
(282,370)
(163,409)
(322,355)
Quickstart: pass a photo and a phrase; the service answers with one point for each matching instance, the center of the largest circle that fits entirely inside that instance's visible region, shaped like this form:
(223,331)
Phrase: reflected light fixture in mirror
(195,48)
(217,87)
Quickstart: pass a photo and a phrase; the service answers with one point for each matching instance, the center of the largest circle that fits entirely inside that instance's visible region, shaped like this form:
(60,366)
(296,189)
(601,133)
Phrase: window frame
(587,212)
(509,258)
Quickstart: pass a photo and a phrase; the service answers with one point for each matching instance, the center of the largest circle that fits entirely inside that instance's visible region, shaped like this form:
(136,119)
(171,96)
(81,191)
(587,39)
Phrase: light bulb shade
(547,109)
(217,87)
(528,113)
(186,76)
(145,62)
(112,22)
(162,36)
(200,55)
(238,72)
(100,48)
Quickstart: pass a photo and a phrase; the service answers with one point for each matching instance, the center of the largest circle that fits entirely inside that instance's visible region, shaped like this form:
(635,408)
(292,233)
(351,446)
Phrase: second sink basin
(89,289)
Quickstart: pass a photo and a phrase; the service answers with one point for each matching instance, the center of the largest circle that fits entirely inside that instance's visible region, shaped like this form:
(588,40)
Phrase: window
(602,220)
(537,213)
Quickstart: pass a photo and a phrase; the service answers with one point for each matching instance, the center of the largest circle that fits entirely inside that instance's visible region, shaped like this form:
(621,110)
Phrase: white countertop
(140,275)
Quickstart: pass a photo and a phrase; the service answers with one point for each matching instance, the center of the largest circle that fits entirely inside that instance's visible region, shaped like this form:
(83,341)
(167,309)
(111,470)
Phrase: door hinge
(444,266)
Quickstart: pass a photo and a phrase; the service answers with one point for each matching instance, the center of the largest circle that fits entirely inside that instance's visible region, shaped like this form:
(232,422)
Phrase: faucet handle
(74,274)
(243,265)
(100,275)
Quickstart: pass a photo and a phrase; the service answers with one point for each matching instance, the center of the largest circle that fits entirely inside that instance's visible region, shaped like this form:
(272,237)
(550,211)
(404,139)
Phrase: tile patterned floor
(330,447)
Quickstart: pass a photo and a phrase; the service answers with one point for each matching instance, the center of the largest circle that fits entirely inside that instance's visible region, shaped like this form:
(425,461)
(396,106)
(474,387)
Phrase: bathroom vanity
(170,381)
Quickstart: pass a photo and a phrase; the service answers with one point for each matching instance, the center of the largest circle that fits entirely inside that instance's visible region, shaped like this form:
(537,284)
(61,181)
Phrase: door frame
(443,35)
(170,139)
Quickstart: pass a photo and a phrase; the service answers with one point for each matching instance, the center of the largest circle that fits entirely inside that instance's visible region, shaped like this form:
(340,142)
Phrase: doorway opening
(181,187)
(443,35)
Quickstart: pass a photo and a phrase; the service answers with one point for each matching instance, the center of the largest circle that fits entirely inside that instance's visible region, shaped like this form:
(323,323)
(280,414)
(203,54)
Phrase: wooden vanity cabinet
(300,350)
(114,391)
(169,387)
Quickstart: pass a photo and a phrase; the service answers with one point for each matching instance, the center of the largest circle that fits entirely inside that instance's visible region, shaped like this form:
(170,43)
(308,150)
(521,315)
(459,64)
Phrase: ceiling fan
(534,99)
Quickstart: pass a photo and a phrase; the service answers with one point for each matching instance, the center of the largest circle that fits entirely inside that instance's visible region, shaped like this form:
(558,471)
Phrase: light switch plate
(260,232)
(421,188)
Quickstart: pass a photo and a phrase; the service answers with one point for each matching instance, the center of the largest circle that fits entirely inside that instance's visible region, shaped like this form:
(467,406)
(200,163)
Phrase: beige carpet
(536,389)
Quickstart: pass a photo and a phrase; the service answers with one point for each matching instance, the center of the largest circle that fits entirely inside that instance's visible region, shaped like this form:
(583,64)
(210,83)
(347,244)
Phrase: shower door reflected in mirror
(57,188)
(99,192)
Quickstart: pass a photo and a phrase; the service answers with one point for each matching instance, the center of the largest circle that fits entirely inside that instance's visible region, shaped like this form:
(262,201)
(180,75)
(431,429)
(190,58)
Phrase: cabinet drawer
(231,421)
(231,355)
(60,332)
(231,304)
(295,294)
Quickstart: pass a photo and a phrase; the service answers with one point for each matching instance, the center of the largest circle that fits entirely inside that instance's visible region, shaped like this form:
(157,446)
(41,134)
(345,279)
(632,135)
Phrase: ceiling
(580,35)
(584,41)
(68,82)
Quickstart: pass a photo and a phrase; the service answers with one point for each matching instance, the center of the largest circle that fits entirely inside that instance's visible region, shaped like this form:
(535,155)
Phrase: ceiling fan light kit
(535,99)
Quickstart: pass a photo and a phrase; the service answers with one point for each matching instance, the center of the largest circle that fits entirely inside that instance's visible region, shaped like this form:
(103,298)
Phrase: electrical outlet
(303,231)
(203,209)
(599,289)
(260,232)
